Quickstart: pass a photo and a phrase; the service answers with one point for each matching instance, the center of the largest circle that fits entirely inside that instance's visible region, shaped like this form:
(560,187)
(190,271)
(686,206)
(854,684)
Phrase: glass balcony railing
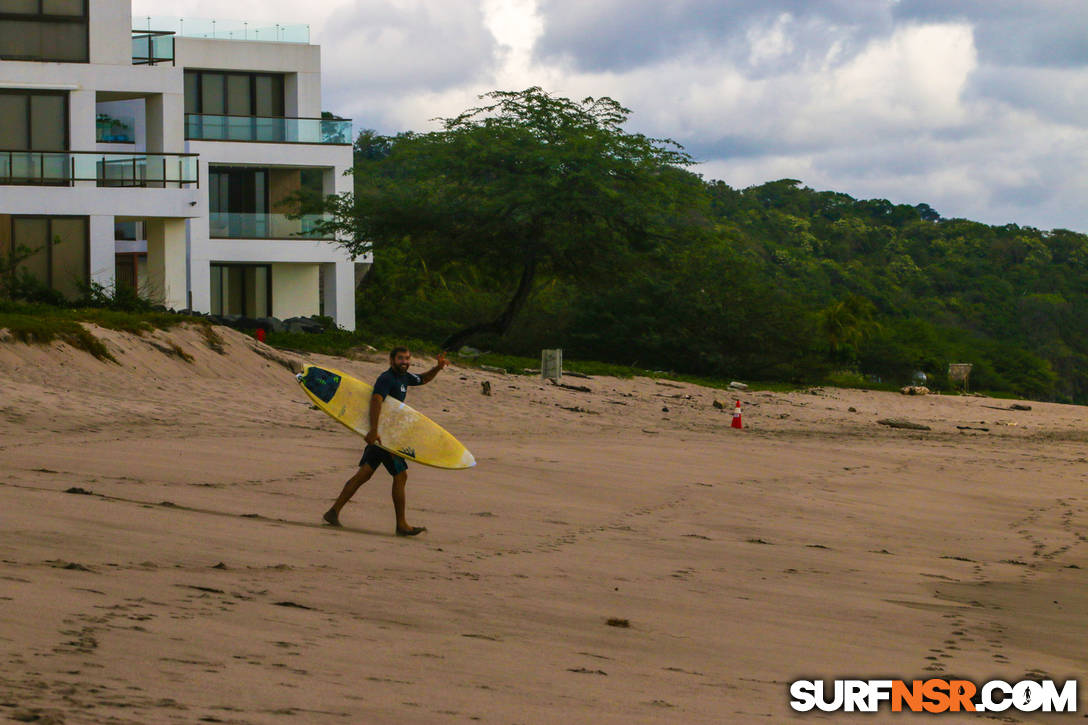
(222,29)
(235,225)
(269,129)
(61,168)
(150,47)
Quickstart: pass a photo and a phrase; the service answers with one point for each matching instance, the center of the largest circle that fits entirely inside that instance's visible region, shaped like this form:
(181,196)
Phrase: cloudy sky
(976,107)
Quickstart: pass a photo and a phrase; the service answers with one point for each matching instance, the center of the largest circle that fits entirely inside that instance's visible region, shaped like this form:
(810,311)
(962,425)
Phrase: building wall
(110,32)
(295,290)
(180,252)
(91,199)
(166,282)
(132,80)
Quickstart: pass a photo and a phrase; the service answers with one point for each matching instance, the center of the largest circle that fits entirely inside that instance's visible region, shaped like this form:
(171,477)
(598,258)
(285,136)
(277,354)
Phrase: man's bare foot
(411,531)
(331,518)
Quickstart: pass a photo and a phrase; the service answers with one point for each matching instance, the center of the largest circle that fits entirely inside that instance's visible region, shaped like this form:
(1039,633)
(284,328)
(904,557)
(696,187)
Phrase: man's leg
(403,529)
(399,482)
(361,476)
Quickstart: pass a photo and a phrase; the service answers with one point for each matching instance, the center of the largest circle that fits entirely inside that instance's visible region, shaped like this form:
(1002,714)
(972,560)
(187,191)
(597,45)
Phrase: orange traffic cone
(736,417)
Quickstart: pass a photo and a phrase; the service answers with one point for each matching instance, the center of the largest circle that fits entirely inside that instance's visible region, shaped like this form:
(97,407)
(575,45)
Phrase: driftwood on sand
(900,423)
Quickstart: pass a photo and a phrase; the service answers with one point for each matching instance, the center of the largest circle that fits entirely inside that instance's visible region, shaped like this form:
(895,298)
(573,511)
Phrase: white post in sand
(551,364)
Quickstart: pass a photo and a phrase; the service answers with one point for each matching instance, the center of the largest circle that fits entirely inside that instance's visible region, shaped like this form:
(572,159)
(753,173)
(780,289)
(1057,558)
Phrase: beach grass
(42,324)
(37,323)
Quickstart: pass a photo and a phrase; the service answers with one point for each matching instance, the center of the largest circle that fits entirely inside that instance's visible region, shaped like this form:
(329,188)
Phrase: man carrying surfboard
(395,381)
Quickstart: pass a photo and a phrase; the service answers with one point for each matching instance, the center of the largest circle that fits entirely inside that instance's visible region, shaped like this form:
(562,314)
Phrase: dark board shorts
(373,455)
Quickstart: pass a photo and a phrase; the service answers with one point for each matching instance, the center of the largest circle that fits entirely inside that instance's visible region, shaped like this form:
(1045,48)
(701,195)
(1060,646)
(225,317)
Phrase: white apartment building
(164,161)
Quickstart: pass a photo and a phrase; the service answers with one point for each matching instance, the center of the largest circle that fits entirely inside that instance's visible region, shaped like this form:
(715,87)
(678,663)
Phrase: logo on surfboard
(408,451)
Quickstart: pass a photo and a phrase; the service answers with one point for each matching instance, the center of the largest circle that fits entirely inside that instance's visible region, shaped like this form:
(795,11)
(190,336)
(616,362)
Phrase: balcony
(267,129)
(236,225)
(151,47)
(62,168)
(222,29)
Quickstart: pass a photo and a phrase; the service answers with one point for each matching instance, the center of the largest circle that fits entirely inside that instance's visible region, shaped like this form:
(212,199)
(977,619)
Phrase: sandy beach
(162,557)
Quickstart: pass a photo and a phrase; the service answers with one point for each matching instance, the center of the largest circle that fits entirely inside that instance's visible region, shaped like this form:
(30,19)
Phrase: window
(128,231)
(33,121)
(22,7)
(241,289)
(61,245)
(313,180)
(239,101)
(238,202)
(234,106)
(192,91)
(63,7)
(212,93)
(68,256)
(14,121)
(46,30)
(234,94)
(130,270)
(32,233)
(48,122)
(266,93)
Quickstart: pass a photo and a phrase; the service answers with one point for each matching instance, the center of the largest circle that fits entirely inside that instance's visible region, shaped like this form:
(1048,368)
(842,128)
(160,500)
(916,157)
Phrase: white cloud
(769,43)
(913,101)
(914,78)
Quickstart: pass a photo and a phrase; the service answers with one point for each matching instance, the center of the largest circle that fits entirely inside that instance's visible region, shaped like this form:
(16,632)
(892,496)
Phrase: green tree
(14,278)
(527,185)
(846,324)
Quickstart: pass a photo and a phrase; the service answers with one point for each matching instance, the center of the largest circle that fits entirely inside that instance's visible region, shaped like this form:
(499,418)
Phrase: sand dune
(186,578)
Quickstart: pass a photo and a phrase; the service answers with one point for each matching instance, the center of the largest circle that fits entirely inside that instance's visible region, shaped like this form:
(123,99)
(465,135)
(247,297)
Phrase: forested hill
(781,282)
(1012,300)
(537,221)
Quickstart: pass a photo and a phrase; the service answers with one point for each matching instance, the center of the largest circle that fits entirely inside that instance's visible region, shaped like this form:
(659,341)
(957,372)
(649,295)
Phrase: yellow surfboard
(403,430)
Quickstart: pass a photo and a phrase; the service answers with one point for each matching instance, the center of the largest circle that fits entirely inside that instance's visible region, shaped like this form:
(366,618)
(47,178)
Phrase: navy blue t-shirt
(390,383)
